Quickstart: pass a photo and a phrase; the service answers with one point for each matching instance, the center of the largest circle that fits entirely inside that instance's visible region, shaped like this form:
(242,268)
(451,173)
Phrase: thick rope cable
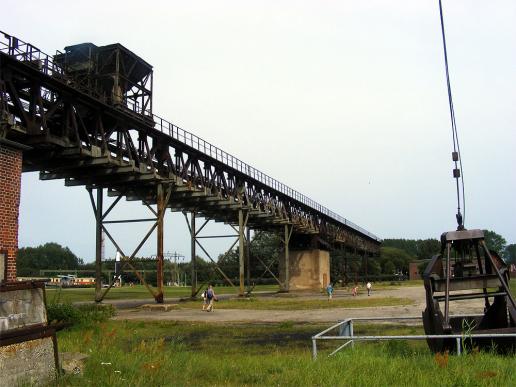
(456,148)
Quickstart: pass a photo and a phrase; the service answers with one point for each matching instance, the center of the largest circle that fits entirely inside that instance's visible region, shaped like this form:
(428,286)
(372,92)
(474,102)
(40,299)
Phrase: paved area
(129,310)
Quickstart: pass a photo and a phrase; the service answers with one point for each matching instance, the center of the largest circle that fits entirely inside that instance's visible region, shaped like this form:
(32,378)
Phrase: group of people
(354,290)
(208,297)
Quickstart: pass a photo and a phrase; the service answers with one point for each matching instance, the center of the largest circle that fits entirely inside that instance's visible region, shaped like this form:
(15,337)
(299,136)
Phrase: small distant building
(414,269)
(71,281)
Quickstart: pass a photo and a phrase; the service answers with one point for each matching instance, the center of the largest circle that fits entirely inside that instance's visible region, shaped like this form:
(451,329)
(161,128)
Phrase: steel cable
(456,148)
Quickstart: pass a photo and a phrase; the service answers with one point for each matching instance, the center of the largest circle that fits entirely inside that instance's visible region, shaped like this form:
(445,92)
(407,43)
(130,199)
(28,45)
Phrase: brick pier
(10,183)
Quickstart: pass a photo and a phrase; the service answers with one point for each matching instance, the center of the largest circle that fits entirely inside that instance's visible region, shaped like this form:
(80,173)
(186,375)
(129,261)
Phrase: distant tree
(510,253)
(427,248)
(353,269)
(50,256)
(407,245)
(373,267)
(418,248)
(398,257)
(230,263)
(495,241)
(205,270)
(265,247)
(338,260)
(388,267)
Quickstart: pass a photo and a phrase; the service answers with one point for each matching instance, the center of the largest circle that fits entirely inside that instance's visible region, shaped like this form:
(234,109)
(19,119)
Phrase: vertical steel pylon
(98,246)
(193,255)
(241,252)
(159,253)
(248,257)
(286,240)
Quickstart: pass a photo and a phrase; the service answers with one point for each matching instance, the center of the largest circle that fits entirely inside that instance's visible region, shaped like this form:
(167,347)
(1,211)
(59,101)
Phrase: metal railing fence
(346,334)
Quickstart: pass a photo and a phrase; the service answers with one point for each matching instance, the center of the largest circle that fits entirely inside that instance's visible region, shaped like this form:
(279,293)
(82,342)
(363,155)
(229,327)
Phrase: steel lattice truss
(75,133)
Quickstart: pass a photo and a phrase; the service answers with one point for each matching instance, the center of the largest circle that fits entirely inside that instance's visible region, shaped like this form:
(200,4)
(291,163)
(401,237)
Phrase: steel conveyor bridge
(85,115)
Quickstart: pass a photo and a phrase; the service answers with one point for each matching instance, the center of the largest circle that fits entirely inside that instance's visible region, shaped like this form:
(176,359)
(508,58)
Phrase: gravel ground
(130,309)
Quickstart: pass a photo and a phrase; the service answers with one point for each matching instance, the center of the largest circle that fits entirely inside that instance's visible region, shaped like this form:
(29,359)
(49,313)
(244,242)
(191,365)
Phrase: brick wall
(414,273)
(10,182)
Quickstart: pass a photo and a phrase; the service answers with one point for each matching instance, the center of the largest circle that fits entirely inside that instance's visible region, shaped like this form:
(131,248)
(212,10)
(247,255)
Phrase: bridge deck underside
(81,167)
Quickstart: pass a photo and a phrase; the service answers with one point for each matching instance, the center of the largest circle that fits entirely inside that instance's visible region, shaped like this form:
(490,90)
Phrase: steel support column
(248,257)
(126,260)
(195,240)
(193,261)
(286,241)
(98,245)
(241,251)
(159,254)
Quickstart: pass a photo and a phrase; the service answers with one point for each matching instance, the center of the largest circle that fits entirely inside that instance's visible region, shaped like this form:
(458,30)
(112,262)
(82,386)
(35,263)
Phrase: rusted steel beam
(241,252)
(161,214)
(193,261)
(98,244)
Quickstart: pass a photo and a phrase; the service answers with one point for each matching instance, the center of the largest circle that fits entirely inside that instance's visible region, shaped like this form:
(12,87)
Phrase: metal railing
(346,334)
(218,154)
(27,53)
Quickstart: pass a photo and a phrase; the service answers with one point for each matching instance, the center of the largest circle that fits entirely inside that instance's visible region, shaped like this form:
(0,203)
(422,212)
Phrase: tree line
(266,250)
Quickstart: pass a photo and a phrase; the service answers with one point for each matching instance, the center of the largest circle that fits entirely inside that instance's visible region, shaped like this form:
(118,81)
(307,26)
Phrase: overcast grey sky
(344,101)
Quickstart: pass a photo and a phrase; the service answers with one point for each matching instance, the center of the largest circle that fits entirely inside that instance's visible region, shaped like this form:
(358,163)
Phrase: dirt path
(416,294)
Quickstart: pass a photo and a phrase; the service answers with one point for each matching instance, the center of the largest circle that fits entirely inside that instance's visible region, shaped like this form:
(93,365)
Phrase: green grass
(200,354)
(301,304)
(137,292)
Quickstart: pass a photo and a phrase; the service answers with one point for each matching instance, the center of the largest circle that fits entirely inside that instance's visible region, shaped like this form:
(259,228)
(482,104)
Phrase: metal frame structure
(475,268)
(100,227)
(77,135)
(194,235)
(346,333)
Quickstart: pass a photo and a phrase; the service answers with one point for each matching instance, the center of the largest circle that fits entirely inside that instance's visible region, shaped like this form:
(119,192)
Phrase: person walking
(369,287)
(205,300)
(329,291)
(354,291)
(210,297)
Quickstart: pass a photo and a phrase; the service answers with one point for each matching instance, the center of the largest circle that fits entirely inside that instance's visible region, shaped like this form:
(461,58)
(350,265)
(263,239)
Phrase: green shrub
(63,313)
(81,314)
(96,312)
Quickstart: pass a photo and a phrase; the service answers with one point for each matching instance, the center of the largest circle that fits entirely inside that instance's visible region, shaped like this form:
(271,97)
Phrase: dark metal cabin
(117,75)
